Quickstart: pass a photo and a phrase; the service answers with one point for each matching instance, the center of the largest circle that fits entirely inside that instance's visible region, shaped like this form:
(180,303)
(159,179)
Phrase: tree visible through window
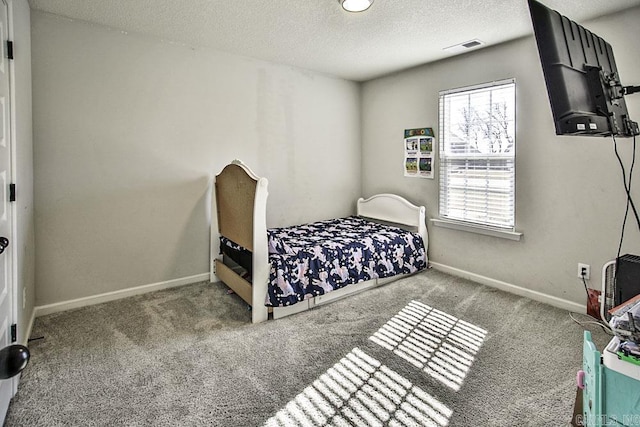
(477,154)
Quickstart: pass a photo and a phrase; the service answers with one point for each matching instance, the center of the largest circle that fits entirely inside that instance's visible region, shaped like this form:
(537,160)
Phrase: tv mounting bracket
(599,81)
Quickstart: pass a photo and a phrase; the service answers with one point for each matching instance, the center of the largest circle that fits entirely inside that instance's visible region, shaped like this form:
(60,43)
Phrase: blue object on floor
(611,393)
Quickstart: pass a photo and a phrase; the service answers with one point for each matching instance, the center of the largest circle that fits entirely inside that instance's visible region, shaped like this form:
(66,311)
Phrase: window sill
(487,231)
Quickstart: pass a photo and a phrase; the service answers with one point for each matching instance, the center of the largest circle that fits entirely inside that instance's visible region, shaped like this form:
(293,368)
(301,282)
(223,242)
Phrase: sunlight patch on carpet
(441,345)
(360,391)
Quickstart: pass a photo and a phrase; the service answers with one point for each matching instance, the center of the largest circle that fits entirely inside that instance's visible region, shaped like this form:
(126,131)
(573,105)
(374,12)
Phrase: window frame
(481,227)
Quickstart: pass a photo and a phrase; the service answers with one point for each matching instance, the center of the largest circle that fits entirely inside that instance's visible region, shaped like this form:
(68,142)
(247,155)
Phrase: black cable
(627,188)
(589,304)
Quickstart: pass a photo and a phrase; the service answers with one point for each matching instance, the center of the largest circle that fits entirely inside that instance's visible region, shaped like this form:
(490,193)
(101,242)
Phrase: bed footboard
(241,207)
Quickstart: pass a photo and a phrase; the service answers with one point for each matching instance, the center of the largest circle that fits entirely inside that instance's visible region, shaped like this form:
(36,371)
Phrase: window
(477,155)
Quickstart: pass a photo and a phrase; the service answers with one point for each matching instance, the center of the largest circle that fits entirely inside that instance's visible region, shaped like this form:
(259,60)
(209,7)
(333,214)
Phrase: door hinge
(12,192)
(9,49)
(14,333)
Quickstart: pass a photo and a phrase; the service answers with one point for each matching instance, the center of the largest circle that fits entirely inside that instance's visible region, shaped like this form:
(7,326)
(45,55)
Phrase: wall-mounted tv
(582,79)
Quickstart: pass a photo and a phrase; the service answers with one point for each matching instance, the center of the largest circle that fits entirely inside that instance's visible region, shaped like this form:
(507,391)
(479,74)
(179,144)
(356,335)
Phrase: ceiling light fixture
(355,5)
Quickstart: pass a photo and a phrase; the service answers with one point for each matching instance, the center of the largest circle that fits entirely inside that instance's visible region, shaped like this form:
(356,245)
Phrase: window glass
(477,154)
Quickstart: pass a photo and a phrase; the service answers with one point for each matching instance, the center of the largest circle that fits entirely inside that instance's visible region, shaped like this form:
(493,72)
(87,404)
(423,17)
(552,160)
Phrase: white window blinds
(477,154)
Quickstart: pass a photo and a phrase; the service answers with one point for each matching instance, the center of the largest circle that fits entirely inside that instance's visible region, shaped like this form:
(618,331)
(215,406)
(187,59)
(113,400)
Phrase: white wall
(128,132)
(24,244)
(569,196)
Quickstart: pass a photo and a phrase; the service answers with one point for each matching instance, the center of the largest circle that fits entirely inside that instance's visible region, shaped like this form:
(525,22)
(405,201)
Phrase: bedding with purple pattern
(313,259)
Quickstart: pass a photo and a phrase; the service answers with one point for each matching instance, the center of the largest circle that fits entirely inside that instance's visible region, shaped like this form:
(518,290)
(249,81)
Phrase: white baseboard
(508,287)
(115,295)
(29,327)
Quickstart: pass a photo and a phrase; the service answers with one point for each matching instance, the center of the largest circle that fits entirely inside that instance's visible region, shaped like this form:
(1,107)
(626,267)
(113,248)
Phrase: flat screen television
(582,79)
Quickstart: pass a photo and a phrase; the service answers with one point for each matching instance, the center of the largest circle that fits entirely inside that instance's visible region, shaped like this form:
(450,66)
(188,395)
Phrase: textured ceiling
(318,35)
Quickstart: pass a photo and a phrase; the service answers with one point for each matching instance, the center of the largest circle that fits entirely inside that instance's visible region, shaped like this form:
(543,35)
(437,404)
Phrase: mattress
(313,259)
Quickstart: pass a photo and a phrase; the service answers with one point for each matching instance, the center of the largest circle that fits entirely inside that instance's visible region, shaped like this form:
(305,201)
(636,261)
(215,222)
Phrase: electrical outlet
(584,271)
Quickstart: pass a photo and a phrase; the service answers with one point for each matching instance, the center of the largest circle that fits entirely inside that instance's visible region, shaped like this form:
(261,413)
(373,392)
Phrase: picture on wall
(418,152)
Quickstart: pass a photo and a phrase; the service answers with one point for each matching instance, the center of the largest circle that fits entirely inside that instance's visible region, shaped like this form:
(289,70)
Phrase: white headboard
(396,209)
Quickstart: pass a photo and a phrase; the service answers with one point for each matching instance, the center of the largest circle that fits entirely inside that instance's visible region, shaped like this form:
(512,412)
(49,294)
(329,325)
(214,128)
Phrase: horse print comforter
(313,259)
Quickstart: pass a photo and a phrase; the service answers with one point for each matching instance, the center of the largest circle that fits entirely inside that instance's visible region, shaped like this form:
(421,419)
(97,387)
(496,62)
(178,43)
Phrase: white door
(6,300)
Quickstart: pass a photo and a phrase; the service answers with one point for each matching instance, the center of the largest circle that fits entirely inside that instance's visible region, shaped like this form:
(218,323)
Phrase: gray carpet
(189,356)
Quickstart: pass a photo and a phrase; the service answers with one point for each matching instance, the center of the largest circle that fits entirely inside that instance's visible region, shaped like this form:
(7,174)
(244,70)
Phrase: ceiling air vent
(472,43)
(461,47)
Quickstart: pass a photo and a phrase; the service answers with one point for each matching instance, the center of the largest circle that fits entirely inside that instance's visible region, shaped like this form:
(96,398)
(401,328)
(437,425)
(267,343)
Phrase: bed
(286,270)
